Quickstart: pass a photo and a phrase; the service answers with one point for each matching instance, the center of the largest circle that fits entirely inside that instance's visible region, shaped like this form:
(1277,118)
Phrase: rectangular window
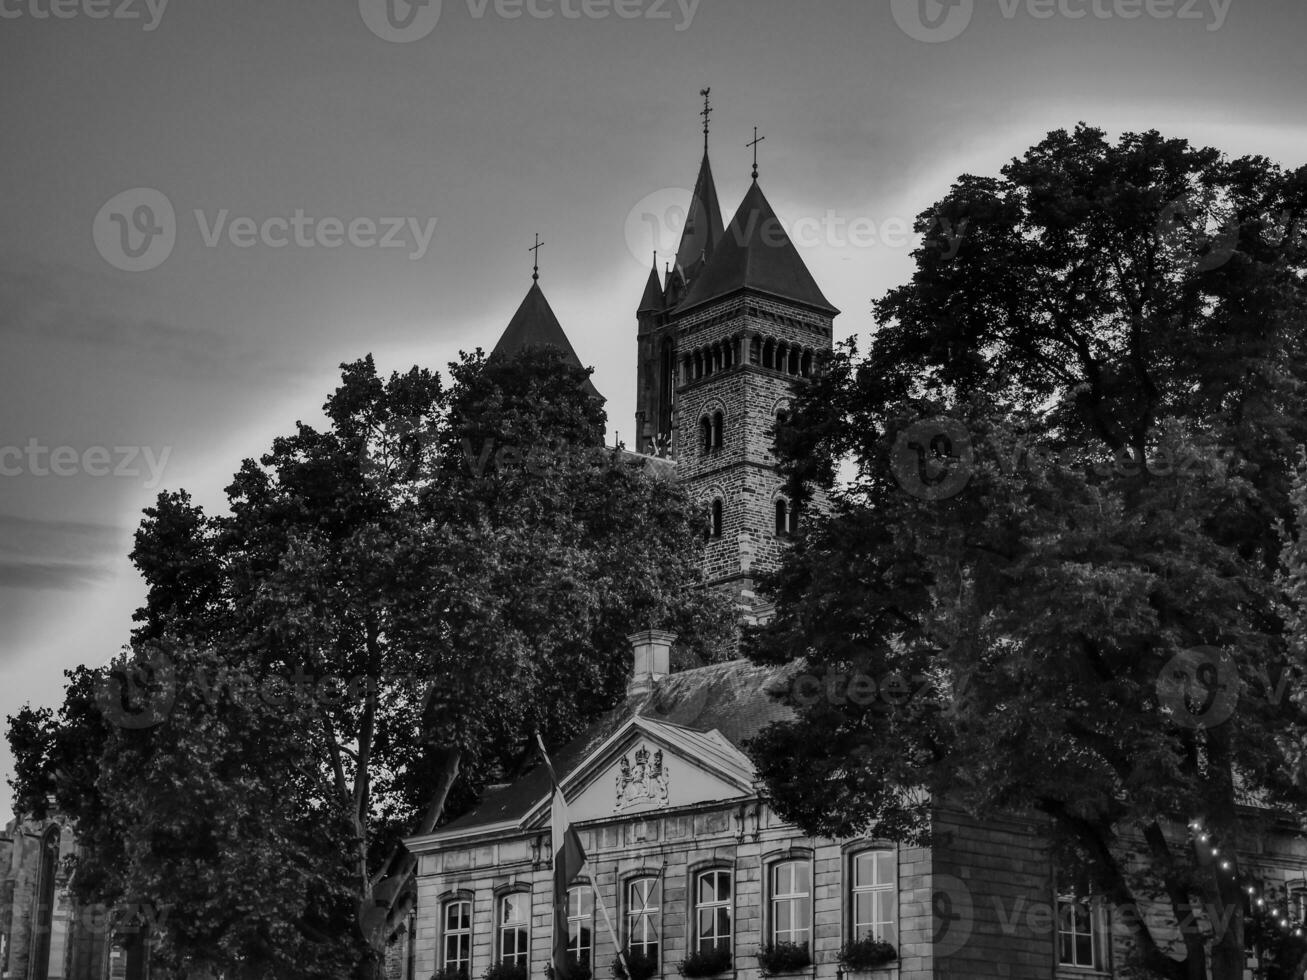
(456,952)
(1078,926)
(791,902)
(874,898)
(515,928)
(713,910)
(642,905)
(580,923)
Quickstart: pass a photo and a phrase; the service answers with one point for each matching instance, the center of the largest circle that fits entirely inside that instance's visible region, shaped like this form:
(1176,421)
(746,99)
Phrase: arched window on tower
(805,368)
(769,353)
(782,518)
(705,434)
(718,423)
(715,524)
(782,416)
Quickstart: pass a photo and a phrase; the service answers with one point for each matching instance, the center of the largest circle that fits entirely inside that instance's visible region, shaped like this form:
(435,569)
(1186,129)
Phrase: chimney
(651,660)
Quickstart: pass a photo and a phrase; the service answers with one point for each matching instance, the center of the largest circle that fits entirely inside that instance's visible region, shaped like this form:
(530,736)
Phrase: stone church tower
(723,344)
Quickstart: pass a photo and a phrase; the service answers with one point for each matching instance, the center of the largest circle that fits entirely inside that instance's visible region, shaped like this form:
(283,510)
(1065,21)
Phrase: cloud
(63,303)
(57,555)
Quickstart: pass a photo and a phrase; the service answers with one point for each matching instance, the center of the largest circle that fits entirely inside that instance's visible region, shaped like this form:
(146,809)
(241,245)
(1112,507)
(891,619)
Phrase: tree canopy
(1055,580)
(392,605)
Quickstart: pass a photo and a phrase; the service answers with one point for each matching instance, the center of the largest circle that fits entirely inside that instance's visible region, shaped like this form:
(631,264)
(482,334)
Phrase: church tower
(723,348)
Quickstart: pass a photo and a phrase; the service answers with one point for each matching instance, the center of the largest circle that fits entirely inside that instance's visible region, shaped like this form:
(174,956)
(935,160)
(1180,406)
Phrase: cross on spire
(756,140)
(535,249)
(707,112)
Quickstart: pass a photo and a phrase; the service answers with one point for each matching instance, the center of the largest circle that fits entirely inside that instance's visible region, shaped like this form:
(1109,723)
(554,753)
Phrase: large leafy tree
(391,607)
(1057,482)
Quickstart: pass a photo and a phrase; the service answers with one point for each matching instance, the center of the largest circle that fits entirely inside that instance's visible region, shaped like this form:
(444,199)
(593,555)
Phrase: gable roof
(711,710)
(535,325)
(756,253)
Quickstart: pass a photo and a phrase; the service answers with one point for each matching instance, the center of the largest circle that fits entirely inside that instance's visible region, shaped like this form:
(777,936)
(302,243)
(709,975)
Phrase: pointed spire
(755,253)
(652,301)
(535,325)
(703,220)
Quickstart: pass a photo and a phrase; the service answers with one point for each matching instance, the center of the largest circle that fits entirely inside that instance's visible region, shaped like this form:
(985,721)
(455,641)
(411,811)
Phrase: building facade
(44,933)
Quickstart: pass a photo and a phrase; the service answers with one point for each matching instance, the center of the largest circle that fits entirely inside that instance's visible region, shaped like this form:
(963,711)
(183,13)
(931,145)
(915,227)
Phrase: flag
(569,857)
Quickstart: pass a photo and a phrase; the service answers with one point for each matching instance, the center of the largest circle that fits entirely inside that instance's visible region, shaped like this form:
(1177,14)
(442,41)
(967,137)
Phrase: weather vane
(756,140)
(707,111)
(535,250)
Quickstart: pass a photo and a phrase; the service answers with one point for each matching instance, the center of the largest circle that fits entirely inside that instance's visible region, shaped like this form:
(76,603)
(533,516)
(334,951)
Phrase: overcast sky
(161,352)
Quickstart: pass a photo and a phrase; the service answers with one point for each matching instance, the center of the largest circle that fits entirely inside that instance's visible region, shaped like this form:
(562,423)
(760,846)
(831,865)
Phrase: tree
(1072,442)
(389,610)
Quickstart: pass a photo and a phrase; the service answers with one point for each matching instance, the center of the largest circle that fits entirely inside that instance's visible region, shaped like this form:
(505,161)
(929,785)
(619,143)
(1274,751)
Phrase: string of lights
(1257,893)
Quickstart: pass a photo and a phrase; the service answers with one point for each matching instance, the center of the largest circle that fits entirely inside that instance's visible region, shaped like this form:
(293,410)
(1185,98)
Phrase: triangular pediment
(649,766)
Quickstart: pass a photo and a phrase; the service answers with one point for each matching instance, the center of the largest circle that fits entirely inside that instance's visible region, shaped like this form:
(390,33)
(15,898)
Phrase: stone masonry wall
(677,845)
(741,473)
(994,898)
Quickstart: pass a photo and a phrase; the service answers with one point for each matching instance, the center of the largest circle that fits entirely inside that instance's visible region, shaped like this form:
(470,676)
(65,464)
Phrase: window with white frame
(712,904)
(874,895)
(1079,930)
(515,928)
(580,923)
(643,898)
(456,926)
(791,902)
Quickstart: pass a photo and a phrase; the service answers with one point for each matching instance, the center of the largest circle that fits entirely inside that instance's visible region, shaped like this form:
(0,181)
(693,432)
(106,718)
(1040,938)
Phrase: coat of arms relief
(642,781)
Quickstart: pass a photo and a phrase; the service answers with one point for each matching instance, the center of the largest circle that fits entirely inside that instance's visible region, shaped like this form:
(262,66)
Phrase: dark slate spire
(535,325)
(652,301)
(703,221)
(756,254)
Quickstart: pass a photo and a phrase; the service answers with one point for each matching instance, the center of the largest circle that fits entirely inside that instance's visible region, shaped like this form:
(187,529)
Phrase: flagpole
(599,899)
(603,909)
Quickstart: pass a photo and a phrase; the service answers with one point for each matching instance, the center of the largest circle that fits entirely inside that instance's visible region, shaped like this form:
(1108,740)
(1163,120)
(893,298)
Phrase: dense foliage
(391,607)
(1053,582)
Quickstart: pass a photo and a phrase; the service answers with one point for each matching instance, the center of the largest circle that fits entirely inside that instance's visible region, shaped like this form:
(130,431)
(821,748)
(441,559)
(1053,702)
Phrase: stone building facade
(44,934)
